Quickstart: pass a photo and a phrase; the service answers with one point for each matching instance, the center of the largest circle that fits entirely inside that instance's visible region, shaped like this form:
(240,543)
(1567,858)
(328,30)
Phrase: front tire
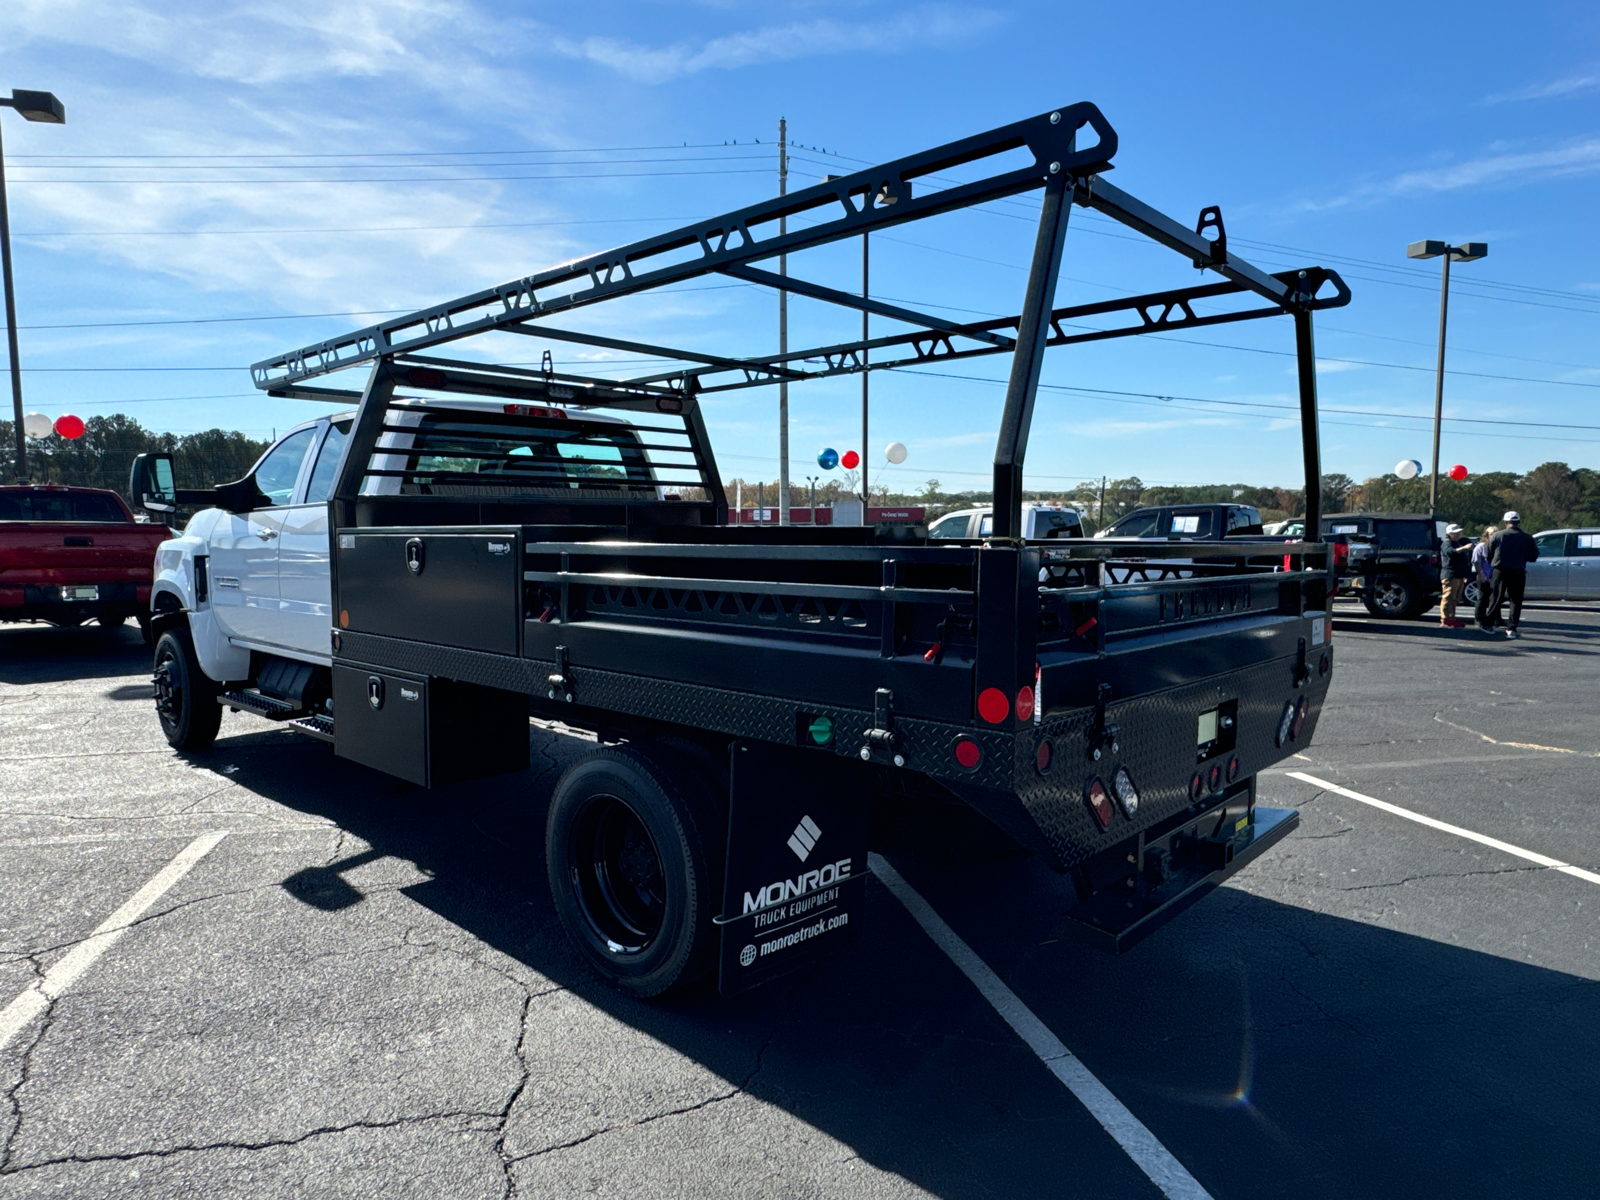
(631,851)
(186,700)
(1392,597)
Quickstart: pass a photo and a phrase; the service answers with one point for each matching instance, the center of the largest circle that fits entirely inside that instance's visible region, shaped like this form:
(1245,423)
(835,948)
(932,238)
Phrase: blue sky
(350,156)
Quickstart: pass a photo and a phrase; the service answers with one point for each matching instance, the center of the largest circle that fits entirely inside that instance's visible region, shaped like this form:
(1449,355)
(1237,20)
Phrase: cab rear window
(1405,535)
(60,506)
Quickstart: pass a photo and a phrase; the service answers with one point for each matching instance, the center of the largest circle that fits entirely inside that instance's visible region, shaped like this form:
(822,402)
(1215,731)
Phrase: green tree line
(1551,495)
(102,456)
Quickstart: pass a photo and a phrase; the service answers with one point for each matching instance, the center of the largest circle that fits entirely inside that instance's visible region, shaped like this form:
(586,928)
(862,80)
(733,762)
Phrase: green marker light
(822,730)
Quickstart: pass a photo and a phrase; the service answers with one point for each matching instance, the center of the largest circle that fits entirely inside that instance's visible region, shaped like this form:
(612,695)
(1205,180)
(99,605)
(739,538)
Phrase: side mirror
(151,484)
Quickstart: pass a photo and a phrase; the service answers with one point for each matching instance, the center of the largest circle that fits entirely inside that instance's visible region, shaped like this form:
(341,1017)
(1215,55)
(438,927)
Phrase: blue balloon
(828,459)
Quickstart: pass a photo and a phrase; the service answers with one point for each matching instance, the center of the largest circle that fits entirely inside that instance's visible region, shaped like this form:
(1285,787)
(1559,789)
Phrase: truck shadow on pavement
(1274,1050)
(48,654)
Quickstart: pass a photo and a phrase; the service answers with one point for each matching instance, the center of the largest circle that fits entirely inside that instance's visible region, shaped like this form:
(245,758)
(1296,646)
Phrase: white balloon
(37,425)
(1408,468)
(895,452)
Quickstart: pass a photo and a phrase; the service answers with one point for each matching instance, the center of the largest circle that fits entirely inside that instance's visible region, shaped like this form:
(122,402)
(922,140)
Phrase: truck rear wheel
(631,851)
(1391,596)
(186,701)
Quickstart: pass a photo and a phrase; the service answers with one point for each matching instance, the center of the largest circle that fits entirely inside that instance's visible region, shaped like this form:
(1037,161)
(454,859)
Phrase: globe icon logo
(747,956)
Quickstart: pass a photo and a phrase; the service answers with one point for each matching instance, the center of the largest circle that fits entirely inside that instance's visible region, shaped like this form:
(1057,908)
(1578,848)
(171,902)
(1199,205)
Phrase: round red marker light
(1214,778)
(993,706)
(1233,768)
(968,754)
(1044,756)
(69,426)
(1025,704)
(1196,786)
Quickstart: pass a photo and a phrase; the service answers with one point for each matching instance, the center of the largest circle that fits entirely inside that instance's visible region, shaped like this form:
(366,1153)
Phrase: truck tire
(186,701)
(631,849)
(1392,596)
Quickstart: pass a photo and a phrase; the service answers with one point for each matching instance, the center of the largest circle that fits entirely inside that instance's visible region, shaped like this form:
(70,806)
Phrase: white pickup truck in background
(241,602)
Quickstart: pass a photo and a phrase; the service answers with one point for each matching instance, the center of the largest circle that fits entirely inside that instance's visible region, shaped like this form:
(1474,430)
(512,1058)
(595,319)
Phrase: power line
(355,229)
(396,179)
(379,166)
(407,153)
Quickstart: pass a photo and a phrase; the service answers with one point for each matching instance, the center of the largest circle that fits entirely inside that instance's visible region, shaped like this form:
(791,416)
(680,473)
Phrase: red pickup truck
(69,553)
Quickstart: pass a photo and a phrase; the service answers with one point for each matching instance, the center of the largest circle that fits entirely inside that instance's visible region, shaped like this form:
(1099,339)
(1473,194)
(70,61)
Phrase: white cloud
(935,25)
(1568,85)
(1575,158)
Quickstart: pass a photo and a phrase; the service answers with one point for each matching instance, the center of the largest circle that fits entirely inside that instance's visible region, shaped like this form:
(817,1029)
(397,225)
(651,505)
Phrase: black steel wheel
(1391,596)
(632,879)
(186,701)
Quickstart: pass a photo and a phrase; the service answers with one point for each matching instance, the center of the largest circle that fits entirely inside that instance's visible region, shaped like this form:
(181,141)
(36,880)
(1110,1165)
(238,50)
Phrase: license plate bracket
(78,592)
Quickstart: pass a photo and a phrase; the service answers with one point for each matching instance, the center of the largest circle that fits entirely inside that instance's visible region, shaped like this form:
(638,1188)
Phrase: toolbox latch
(560,680)
(879,744)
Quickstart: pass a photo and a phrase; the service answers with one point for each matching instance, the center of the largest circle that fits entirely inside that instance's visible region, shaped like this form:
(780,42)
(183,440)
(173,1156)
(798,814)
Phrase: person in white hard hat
(1510,552)
(1455,564)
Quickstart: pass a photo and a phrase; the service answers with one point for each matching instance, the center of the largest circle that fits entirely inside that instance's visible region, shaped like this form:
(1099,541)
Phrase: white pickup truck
(241,601)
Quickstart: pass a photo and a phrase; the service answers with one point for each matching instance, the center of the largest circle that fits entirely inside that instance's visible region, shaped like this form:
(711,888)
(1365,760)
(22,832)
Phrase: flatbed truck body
(759,691)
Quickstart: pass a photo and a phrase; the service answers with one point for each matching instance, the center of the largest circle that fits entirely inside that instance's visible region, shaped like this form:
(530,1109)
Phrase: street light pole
(34,106)
(1466,252)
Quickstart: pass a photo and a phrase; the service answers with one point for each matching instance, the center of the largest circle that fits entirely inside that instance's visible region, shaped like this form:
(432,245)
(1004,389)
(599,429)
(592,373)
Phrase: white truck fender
(175,577)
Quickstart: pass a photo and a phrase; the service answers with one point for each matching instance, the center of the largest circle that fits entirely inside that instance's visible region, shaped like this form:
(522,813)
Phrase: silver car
(1568,567)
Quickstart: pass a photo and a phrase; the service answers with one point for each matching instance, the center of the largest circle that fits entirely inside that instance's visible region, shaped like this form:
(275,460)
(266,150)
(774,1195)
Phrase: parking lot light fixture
(1466,252)
(34,106)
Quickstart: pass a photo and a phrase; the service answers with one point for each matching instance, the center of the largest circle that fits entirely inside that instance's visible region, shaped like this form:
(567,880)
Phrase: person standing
(1510,552)
(1481,572)
(1455,562)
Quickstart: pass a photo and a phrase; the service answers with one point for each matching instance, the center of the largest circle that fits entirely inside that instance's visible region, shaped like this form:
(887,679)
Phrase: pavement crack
(709,1101)
(507,1162)
(1368,887)
(267,1144)
(25,1067)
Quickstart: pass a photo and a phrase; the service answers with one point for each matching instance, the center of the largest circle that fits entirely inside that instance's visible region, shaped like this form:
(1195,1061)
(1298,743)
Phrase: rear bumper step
(1115,922)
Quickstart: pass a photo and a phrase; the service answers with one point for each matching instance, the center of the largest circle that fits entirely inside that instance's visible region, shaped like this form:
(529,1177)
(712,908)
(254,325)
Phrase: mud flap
(797,861)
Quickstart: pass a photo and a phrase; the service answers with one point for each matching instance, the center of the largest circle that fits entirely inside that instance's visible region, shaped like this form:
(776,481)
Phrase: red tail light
(1025,703)
(1341,554)
(968,754)
(993,706)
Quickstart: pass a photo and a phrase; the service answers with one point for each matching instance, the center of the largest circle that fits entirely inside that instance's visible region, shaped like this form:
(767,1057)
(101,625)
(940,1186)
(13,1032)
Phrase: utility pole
(783,332)
(866,495)
(34,106)
(1101,520)
(1467,252)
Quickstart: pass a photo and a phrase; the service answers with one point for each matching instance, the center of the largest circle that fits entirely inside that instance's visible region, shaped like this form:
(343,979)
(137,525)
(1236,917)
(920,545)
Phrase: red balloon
(1458,472)
(69,426)
(850,460)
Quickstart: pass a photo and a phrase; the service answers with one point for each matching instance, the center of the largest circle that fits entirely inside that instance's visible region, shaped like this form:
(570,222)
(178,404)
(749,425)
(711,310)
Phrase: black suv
(1393,561)
(1187,523)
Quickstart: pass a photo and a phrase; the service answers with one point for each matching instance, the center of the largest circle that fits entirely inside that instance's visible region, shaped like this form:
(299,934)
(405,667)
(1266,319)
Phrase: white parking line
(36,997)
(1543,860)
(1151,1157)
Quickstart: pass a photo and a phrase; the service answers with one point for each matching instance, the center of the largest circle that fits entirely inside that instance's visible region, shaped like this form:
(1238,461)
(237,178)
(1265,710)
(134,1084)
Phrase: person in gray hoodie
(1481,571)
(1510,552)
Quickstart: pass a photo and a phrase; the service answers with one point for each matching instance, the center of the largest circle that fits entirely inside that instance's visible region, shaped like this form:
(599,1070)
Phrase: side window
(1551,545)
(277,473)
(327,468)
(1405,535)
(951,527)
(986,526)
(1191,525)
(1588,545)
(1137,525)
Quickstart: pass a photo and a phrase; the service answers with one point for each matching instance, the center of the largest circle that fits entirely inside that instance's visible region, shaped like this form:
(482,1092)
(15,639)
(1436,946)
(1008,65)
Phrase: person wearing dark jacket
(1510,552)
(1455,564)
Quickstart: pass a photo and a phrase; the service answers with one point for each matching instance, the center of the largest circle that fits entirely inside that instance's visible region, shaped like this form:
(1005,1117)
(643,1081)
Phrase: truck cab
(1039,521)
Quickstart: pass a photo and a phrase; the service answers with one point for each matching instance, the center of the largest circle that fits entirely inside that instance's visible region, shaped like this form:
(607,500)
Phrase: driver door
(243,547)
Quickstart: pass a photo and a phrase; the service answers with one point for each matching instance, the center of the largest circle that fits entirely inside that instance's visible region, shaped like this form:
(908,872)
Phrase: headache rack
(907,189)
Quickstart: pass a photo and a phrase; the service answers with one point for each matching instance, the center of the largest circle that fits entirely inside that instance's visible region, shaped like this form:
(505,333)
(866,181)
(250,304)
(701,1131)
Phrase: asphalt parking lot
(359,989)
